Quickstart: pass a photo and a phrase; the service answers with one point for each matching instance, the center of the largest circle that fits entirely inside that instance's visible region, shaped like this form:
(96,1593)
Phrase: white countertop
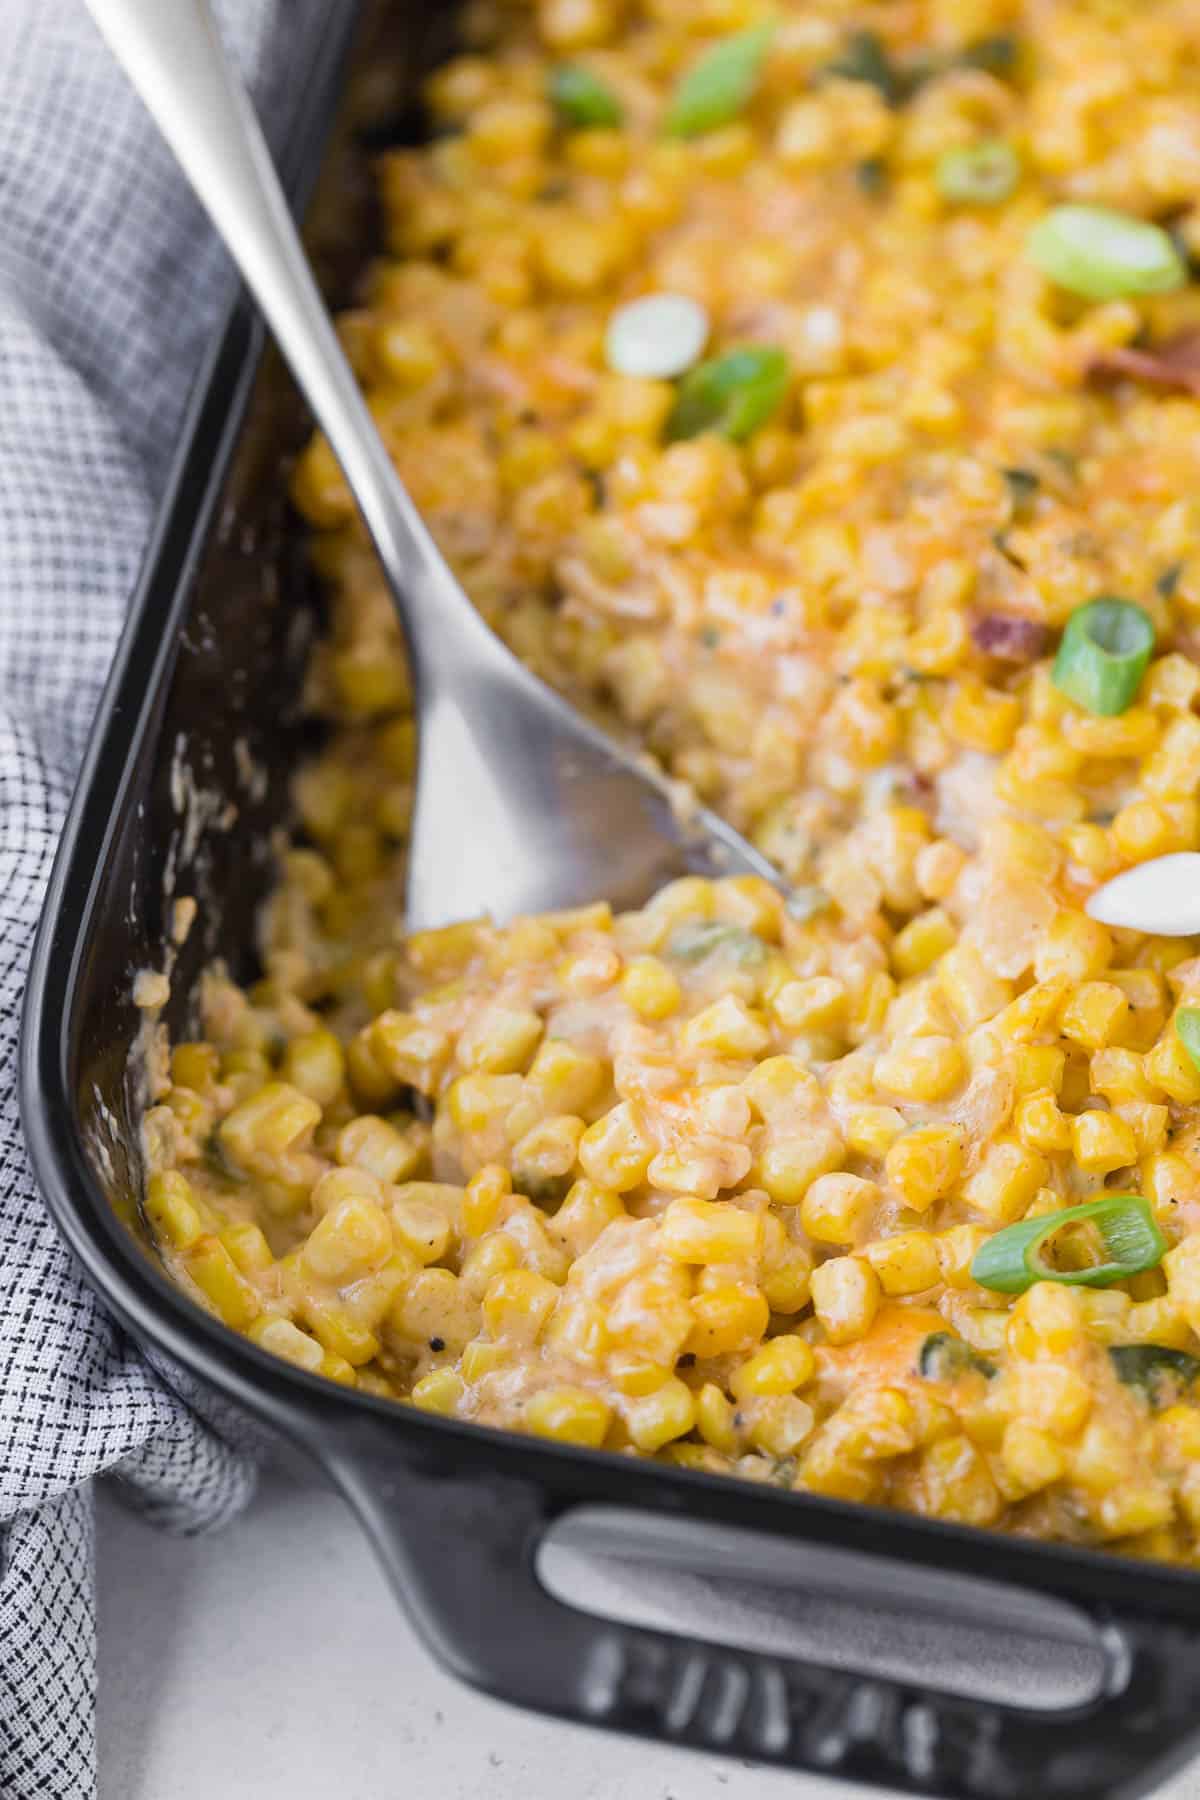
(270,1660)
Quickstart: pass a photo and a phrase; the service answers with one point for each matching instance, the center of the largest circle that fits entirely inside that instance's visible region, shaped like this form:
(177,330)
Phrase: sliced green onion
(1187,1030)
(1103,655)
(1012,1261)
(981,174)
(582,99)
(706,937)
(1162,1374)
(943,1357)
(1105,255)
(733,394)
(716,88)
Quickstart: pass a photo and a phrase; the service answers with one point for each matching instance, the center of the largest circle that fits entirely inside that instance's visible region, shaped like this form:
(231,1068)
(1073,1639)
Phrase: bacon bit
(1175,363)
(1009,637)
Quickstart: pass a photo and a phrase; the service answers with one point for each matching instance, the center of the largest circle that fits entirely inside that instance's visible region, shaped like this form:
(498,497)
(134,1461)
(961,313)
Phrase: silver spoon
(521,804)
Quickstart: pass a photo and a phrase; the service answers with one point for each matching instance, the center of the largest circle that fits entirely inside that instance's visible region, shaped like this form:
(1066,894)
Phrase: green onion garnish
(1187,1030)
(1162,1374)
(733,394)
(1103,655)
(1023,486)
(943,1357)
(978,175)
(1105,255)
(1013,1260)
(582,99)
(701,938)
(716,88)
(865,59)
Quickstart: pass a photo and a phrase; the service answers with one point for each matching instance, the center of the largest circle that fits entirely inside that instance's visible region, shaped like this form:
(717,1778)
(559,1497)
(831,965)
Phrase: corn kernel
(838,1208)
(701,1231)
(1006,1181)
(846,1294)
(926,1069)
(906,1262)
(569,1415)
(925,1165)
(658,1418)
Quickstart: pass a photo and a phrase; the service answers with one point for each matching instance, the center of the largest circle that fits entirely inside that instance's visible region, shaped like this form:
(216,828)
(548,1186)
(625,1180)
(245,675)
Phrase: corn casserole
(811,392)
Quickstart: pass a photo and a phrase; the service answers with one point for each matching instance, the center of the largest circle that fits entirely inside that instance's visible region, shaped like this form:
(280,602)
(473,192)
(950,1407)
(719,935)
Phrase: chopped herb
(701,938)
(582,99)
(710,637)
(1103,655)
(715,89)
(982,174)
(1129,1241)
(1067,461)
(865,59)
(871,175)
(943,1357)
(1163,1375)
(732,394)
(1023,485)
(1168,581)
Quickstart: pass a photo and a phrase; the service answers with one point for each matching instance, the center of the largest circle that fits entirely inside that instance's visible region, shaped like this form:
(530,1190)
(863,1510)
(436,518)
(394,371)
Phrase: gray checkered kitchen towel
(111,285)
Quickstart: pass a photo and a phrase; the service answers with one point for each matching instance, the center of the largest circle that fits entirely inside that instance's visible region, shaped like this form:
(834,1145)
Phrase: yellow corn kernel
(248,1247)
(274,1120)
(906,1263)
(1041,1125)
(703,1231)
(729,1317)
(925,1165)
(780,1423)
(969,985)
(982,718)
(1095,1015)
(421,1227)
(336,1368)
(1174,768)
(872,1130)
(481,1357)
(1161,1321)
(284,1339)
(1141,830)
(1051,1396)
(780,1089)
(436,1304)
(501,1042)
(413,1052)
(780,1367)
(438,1392)
(956,1250)
(171,1210)
(1038,1066)
(926,1069)
(649,987)
(846,1294)
(370,1143)
(484,1197)
(1178,1431)
(715,1420)
(1169,1067)
(658,1418)
(921,942)
(493,1255)
(837,1209)
(788,1169)
(815,1004)
(1102,1142)
(1046,1320)
(351,1239)
(315,1063)
(616,1151)
(1031,1459)
(726,1028)
(1120,1075)
(955,1483)
(217,1276)
(518,1305)
(569,1415)
(1181,1266)
(195,1066)
(1006,1181)
(583,1215)
(635,1374)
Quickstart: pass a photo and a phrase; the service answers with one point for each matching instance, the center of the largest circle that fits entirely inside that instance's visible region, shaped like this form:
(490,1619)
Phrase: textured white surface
(270,1661)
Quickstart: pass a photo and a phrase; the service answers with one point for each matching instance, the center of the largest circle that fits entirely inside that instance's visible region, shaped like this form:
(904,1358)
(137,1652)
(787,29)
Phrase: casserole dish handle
(462,1552)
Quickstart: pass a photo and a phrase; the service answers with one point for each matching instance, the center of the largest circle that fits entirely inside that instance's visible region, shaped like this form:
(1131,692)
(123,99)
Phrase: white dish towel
(111,285)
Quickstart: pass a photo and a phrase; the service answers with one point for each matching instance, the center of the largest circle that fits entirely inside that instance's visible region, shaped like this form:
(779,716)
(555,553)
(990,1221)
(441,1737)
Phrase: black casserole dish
(803,1632)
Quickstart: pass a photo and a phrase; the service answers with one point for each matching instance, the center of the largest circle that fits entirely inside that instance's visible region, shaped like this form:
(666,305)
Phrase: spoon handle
(172,54)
